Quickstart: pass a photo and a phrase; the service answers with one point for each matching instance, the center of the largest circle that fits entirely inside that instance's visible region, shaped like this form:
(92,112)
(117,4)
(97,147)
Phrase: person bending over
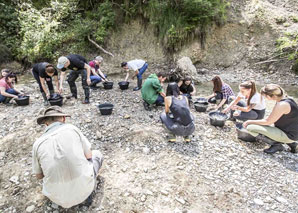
(180,122)
(96,75)
(78,66)
(249,102)
(221,92)
(62,157)
(7,90)
(152,91)
(43,73)
(139,66)
(284,117)
(187,88)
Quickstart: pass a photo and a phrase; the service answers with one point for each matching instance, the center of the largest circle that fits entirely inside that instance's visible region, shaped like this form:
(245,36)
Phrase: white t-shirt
(60,155)
(256,99)
(136,64)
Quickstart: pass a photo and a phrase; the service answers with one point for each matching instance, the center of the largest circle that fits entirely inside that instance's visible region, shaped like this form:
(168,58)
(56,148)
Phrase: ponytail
(253,89)
(273,90)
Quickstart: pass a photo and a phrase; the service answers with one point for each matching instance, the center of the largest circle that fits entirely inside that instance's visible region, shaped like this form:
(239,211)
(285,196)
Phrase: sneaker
(172,139)
(274,148)
(136,88)
(86,101)
(187,139)
(293,147)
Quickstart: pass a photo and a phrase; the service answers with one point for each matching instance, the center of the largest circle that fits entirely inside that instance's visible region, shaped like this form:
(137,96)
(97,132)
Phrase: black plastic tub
(217,118)
(22,100)
(243,134)
(108,85)
(106,108)
(123,85)
(201,104)
(56,102)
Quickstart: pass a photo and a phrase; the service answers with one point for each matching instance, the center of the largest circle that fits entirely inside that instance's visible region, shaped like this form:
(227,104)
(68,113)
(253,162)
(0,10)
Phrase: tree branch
(99,47)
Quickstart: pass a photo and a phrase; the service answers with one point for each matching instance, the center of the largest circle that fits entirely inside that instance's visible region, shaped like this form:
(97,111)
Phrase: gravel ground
(142,172)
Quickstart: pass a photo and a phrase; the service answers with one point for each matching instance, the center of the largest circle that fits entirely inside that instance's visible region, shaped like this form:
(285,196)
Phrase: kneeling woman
(7,90)
(221,91)
(43,72)
(253,108)
(284,116)
(187,88)
(181,123)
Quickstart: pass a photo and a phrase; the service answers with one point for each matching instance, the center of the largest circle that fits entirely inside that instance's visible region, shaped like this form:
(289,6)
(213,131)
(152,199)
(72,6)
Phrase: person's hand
(225,111)
(105,80)
(133,77)
(245,124)
(15,97)
(88,81)
(236,114)
(48,96)
(234,107)
(60,91)
(21,93)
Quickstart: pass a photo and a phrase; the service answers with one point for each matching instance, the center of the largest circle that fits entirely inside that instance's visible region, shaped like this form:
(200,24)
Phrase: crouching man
(63,159)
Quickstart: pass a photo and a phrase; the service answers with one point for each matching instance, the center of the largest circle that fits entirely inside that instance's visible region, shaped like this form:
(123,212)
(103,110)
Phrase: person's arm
(19,92)
(37,170)
(232,104)
(220,104)
(62,76)
(135,74)
(168,101)
(162,94)
(102,75)
(211,96)
(127,75)
(43,85)
(2,89)
(56,82)
(279,110)
(87,67)
(245,109)
(194,90)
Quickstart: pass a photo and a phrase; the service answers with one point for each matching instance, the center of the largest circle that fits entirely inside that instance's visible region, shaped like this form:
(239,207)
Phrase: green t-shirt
(151,89)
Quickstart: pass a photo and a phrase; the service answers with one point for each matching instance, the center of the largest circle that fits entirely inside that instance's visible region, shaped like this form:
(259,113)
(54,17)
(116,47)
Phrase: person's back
(60,155)
(180,110)
(151,88)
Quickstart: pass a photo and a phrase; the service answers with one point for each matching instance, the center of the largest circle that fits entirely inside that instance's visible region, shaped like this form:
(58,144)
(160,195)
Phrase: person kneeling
(181,123)
(7,90)
(284,116)
(63,159)
(152,92)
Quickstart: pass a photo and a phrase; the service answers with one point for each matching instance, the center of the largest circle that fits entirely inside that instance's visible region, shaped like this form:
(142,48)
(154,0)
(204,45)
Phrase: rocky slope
(142,172)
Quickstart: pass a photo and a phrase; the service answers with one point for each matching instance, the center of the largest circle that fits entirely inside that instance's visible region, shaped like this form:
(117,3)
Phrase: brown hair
(217,84)
(11,75)
(50,69)
(273,90)
(249,85)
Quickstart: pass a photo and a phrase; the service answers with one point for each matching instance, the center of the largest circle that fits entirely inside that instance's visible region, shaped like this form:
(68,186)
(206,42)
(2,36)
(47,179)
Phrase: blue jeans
(10,91)
(159,100)
(96,79)
(142,70)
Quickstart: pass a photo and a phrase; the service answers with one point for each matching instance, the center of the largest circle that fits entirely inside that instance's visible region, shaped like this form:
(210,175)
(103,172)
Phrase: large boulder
(185,67)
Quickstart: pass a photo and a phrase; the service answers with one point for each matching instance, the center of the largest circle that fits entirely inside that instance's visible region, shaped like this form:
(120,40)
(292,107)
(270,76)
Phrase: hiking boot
(274,148)
(146,106)
(187,139)
(139,85)
(71,96)
(46,103)
(293,147)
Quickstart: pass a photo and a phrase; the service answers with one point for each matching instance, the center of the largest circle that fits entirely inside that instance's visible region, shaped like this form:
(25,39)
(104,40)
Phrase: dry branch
(99,47)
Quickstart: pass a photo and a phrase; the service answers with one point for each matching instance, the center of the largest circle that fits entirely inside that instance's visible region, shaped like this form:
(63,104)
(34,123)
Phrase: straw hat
(53,111)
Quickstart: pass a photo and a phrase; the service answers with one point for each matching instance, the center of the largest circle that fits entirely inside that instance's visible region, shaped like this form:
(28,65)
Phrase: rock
(54,206)
(143,198)
(281,200)
(258,202)
(164,192)
(14,179)
(126,116)
(30,208)
(146,150)
(180,200)
(186,67)
(98,135)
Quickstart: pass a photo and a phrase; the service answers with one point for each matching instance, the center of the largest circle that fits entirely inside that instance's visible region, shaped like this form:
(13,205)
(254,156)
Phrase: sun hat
(61,62)
(53,111)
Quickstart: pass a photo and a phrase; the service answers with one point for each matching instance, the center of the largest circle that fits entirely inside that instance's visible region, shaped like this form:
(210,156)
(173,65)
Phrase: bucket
(243,134)
(108,85)
(201,104)
(106,108)
(217,118)
(22,100)
(56,100)
(123,85)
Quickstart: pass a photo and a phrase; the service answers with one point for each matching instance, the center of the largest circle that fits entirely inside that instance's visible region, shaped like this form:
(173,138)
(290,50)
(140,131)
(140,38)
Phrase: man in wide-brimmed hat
(62,156)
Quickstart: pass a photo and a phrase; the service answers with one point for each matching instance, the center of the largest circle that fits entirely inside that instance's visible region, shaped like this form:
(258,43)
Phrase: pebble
(14,179)
(258,202)
(143,198)
(281,200)
(180,200)
(30,208)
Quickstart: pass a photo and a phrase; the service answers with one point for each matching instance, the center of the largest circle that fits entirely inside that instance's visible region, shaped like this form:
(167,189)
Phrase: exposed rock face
(186,68)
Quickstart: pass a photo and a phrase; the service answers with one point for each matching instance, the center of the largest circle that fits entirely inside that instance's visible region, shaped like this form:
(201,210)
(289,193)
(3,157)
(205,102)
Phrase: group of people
(63,158)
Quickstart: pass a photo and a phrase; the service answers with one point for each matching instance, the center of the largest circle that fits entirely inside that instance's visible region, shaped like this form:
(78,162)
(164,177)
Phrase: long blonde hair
(273,90)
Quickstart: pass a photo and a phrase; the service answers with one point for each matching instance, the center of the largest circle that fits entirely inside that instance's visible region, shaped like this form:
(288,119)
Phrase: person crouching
(62,157)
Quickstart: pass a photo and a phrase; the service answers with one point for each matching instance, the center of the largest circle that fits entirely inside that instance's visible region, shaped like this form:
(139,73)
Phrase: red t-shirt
(4,84)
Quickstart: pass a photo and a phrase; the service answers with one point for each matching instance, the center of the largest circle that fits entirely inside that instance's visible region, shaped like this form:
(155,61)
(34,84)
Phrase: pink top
(4,84)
